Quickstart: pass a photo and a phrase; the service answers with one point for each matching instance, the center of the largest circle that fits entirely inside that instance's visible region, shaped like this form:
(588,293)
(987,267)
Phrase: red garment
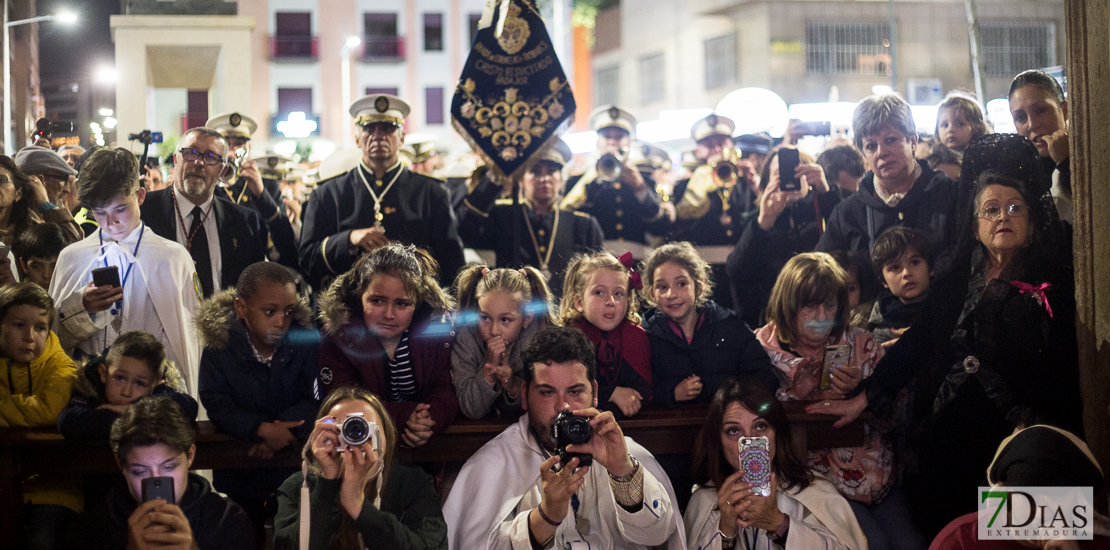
(963,533)
(625,346)
(354,357)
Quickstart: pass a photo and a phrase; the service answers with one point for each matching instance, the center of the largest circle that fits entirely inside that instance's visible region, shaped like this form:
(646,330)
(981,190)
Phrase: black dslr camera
(572,430)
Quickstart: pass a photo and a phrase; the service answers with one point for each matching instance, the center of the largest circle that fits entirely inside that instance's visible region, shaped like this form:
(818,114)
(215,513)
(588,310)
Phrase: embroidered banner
(513,99)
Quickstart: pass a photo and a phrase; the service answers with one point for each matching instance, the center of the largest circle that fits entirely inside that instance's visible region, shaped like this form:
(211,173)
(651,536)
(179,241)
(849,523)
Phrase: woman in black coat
(994,348)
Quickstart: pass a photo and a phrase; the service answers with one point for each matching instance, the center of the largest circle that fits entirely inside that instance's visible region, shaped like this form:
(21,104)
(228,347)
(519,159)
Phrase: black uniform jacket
(488,223)
(416,210)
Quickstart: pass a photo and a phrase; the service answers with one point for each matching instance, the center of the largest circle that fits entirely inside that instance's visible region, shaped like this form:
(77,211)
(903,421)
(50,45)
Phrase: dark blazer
(243,236)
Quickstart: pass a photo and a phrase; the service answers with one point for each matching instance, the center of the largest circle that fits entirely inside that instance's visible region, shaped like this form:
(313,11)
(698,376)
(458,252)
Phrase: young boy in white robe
(157,290)
(508,495)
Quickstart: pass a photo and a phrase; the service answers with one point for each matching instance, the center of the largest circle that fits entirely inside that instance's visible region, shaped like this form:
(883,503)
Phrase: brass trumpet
(609,166)
(235,165)
(725,171)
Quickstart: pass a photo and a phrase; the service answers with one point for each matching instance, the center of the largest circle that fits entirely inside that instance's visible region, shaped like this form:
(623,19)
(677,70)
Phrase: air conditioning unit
(924,91)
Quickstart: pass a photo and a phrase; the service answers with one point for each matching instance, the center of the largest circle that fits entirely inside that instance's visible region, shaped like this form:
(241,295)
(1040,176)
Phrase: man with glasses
(378,202)
(223,238)
(899,190)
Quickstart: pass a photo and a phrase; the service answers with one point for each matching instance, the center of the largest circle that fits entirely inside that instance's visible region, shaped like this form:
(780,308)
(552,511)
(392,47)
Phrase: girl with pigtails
(498,312)
(386,329)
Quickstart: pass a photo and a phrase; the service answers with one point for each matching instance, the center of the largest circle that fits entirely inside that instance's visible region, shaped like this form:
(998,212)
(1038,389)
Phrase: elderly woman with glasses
(994,348)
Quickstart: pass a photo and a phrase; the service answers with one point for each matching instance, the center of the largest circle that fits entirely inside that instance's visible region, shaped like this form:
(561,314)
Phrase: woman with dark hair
(1040,113)
(386,330)
(153,439)
(355,495)
(803,510)
(994,346)
(24,202)
(789,222)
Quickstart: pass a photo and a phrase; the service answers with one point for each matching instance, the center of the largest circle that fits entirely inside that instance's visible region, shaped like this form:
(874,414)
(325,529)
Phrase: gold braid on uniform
(576,197)
(695,201)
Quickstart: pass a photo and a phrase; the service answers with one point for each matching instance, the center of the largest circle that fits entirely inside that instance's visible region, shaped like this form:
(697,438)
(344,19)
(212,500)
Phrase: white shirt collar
(185,206)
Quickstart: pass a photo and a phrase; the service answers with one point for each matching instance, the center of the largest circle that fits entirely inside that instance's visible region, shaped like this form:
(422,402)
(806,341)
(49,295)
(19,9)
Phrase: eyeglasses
(191,155)
(994,212)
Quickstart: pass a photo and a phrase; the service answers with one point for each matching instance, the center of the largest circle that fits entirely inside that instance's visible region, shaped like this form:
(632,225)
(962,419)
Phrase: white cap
(380,108)
(712,125)
(233,125)
(611,116)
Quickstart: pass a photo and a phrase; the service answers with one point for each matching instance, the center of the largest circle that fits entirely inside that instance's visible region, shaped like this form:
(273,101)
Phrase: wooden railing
(43,451)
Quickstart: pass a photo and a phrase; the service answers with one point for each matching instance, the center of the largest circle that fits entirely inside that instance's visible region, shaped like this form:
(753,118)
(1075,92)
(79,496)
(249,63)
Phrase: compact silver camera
(356,430)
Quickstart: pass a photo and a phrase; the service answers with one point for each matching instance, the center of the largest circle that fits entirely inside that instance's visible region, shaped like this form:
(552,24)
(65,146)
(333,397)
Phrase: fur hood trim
(216,316)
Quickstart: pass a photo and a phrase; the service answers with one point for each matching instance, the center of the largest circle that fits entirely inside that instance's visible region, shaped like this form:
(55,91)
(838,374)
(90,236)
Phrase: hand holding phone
(158,488)
(755,459)
(788,162)
(106,276)
(834,355)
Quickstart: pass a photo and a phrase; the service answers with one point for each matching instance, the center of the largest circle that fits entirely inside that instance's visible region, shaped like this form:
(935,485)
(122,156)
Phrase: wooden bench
(43,451)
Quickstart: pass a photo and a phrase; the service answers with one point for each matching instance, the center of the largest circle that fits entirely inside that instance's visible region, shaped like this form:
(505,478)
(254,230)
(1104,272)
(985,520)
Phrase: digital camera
(572,430)
(356,430)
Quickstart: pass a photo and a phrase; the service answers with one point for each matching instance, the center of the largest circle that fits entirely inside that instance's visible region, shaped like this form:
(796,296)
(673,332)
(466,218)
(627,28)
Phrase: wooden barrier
(43,451)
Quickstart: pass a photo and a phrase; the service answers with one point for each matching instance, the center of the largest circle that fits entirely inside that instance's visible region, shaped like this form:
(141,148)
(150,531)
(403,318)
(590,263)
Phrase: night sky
(67,51)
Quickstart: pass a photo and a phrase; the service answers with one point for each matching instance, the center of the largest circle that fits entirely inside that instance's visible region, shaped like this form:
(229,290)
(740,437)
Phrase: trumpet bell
(609,167)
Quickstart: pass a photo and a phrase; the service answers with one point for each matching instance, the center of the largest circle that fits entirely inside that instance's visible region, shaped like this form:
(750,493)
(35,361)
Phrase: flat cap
(40,160)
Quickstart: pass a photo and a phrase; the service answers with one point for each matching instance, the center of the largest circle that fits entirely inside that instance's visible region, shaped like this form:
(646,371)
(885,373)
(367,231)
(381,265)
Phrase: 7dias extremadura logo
(1036,513)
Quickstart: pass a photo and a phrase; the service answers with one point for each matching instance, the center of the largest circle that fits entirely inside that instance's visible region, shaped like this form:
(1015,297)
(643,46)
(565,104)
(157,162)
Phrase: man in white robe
(508,495)
(158,292)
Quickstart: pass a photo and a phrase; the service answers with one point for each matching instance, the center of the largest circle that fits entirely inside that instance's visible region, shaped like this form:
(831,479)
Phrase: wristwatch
(627,477)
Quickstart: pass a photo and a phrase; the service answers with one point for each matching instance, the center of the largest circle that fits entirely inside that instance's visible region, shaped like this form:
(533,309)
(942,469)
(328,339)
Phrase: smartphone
(4,250)
(834,355)
(158,488)
(788,161)
(815,128)
(106,276)
(755,459)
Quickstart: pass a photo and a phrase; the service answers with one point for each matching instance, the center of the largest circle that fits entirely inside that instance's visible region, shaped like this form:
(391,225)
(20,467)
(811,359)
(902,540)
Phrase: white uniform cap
(233,125)
(379,108)
(712,125)
(611,116)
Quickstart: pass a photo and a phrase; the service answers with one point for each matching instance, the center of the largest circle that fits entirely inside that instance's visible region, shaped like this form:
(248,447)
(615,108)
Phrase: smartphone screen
(755,459)
(158,488)
(106,276)
(788,161)
(834,355)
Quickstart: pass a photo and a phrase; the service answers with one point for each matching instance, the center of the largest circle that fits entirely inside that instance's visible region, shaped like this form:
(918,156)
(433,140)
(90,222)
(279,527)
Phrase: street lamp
(345,80)
(64,17)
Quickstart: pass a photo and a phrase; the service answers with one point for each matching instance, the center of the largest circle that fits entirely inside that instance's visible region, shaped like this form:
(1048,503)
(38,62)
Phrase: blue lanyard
(135,253)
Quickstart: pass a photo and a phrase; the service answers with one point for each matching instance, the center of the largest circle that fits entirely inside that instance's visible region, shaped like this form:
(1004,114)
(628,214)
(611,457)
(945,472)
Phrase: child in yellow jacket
(39,378)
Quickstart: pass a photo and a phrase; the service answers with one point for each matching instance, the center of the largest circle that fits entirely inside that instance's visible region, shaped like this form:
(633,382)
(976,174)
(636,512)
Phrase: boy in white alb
(158,292)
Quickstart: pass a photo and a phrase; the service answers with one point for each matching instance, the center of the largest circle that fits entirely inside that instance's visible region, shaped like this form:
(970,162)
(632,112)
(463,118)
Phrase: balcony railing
(383,49)
(294,47)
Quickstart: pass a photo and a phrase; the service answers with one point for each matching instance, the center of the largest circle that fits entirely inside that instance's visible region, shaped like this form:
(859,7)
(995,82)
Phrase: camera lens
(578,430)
(355,430)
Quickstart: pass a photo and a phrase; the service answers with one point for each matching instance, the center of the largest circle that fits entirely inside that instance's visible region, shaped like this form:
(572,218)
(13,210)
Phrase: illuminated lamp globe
(755,110)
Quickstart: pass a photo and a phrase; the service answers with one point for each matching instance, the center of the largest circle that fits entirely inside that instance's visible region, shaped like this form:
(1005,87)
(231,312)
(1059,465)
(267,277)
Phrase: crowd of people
(928,281)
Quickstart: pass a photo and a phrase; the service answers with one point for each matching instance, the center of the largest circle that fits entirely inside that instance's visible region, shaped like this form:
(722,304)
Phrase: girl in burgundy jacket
(385,330)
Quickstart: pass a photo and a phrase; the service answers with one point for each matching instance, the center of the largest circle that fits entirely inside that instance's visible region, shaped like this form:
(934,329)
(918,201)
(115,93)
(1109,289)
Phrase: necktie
(198,249)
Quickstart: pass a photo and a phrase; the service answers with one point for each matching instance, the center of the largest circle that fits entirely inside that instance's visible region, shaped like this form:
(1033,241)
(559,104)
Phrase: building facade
(683,55)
